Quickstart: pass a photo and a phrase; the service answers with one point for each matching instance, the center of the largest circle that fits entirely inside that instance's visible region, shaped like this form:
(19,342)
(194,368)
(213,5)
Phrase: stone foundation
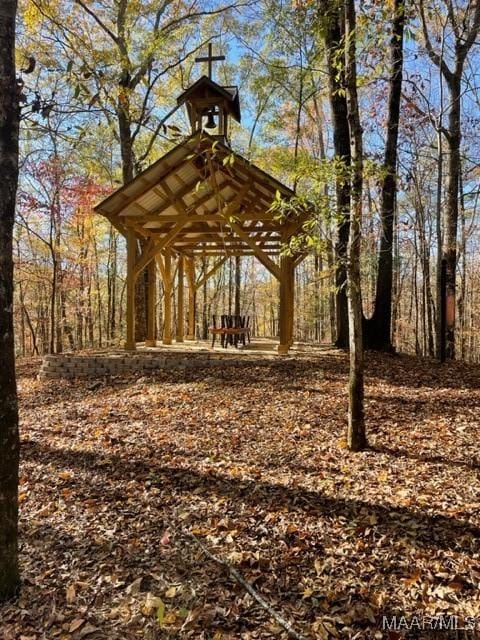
(117,363)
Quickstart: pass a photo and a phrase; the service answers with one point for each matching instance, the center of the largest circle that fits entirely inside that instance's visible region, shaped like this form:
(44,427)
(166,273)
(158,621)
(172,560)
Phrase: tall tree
(464,22)
(356,438)
(9,438)
(377,329)
(334,31)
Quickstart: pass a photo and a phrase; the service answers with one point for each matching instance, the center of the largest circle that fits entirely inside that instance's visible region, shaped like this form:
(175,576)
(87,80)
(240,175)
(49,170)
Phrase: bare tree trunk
(53,298)
(356,437)
(464,31)
(338,105)
(463,270)
(378,328)
(449,250)
(65,327)
(9,437)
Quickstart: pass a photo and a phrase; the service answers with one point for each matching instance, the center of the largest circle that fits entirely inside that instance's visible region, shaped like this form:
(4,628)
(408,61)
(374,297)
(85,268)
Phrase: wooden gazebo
(201,199)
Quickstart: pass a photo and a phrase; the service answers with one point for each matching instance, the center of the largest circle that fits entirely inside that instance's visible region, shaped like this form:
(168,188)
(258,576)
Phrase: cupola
(210,105)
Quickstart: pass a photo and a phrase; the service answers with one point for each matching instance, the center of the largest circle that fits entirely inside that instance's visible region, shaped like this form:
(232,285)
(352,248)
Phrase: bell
(211,124)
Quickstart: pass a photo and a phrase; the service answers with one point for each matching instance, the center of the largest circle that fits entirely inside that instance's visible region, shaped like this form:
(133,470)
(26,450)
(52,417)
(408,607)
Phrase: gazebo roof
(203,199)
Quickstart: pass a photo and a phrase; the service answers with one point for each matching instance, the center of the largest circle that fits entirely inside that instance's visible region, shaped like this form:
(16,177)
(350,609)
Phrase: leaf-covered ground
(252,461)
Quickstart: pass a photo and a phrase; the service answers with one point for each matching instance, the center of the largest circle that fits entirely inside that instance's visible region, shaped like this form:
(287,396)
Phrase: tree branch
(437,60)
(233,573)
(101,24)
(464,48)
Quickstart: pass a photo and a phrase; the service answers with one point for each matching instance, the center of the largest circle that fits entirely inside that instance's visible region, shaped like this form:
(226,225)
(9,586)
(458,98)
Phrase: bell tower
(209,105)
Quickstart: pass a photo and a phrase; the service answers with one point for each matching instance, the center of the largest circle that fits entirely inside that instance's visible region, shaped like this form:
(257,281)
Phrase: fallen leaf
(75,624)
(87,630)
(71,594)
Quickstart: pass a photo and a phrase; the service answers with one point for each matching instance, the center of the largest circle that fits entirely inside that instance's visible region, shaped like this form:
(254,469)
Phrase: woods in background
(94,116)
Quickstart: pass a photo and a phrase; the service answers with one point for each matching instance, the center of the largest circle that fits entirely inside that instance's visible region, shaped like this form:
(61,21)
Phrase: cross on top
(210,59)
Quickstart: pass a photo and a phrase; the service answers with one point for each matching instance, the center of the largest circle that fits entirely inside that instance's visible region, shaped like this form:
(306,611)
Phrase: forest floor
(125,483)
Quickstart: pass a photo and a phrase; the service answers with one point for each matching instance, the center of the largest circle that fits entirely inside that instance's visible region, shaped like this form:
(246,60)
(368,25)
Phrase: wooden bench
(228,332)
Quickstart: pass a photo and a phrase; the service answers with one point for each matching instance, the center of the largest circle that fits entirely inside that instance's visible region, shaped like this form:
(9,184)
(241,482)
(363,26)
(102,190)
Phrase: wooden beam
(214,229)
(206,241)
(261,255)
(190,271)
(155,247)
(295,226)
(147,186)
(130,344)
(203,217)
(117,224)
(167,297)
(287,281)
(151,340)
(231,254)
(180,194)
(300,258)
(216,235)
(234,205)
(180,301)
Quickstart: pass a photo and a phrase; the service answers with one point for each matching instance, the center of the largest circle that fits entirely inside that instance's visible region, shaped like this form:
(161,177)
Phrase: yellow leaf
(171,592)
(170,617)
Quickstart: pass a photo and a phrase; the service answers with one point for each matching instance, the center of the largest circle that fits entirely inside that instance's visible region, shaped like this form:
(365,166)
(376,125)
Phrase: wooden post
(180,303)
(130,344)
(151,340)
(190,264)
(167,301)
(287,271)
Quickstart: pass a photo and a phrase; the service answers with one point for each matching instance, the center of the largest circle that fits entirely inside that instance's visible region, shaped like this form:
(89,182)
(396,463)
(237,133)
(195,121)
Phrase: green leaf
(161,612)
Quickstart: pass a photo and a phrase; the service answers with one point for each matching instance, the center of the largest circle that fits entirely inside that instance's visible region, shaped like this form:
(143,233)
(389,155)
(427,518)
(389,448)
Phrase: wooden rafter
(261,255)
(154,248)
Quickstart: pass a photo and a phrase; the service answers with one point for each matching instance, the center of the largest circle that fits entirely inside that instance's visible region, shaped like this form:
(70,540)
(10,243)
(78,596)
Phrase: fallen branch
(285,624)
